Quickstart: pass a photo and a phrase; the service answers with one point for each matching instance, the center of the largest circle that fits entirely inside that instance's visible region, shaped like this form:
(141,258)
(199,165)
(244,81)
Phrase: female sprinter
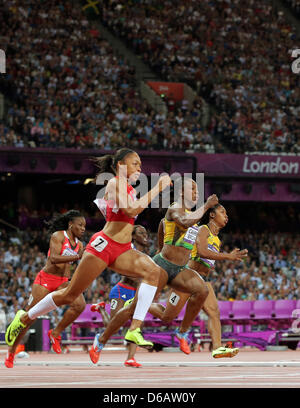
(203,257)
(125,290)
(109,247)
(65,248)
(179,239)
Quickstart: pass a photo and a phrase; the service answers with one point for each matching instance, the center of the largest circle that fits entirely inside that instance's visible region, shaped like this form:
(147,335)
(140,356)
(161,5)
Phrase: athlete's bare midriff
(119,231)
(61,270)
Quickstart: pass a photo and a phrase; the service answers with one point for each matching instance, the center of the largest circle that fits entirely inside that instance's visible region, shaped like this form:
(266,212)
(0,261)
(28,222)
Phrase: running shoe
(132,363)
(9,361)
(183,341)
(55,342)
(96,306)
(14,328)
(222,352)
(128,302)
(135,336)
(95,350)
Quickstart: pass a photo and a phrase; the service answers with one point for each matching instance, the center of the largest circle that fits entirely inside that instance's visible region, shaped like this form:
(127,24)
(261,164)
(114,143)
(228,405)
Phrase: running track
(163,370)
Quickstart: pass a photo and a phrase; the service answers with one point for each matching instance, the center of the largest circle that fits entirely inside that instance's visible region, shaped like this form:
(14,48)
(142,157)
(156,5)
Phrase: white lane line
(164,364)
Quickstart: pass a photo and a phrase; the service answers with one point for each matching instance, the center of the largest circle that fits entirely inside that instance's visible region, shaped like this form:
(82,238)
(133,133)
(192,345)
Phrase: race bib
(68,252)
(113,304)
(191,235)
(174,299)
(99,243)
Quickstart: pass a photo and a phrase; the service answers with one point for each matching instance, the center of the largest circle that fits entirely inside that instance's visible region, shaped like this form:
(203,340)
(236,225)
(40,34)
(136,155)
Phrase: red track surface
(249,369)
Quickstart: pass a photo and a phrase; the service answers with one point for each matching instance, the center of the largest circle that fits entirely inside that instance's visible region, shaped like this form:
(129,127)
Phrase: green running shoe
(128,302)
(135,336)
(222,352)
(14,328)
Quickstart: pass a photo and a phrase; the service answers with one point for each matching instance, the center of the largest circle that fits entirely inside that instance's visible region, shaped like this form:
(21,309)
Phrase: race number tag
(99,243)
(174,299)
(113,304)
(191,235)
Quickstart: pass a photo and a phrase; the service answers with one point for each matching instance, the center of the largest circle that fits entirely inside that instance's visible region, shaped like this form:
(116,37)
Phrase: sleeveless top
(67,249)
(112,212)
(213,244)
(179,236)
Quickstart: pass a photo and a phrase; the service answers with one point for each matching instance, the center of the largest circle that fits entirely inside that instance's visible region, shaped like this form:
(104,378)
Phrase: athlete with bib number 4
(110,247)
(179,238)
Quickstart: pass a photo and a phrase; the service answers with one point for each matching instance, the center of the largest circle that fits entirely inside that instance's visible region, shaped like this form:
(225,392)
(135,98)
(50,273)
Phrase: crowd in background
(271,271)
(69,89)
(234,54)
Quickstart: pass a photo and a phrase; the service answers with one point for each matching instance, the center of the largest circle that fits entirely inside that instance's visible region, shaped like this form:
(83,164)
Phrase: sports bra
(112,212)
(179,236)
(67,249)
(213,244)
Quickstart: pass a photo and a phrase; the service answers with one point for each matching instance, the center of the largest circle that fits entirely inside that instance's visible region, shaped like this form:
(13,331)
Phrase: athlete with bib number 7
(179,238)
(110,247)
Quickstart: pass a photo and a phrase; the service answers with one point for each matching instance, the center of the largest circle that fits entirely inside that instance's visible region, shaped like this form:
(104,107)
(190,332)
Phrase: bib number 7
(99,243)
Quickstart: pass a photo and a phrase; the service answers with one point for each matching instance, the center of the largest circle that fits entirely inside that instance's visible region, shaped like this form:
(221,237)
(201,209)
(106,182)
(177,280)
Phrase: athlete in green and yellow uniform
(205,253)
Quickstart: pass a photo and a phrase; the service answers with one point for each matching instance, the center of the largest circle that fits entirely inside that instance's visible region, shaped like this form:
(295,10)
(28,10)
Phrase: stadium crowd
(68,88)
(72,91)
(235,54)
(271,271)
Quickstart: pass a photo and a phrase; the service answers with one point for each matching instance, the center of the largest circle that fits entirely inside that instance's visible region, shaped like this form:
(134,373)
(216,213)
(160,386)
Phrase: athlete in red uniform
(65,248)
(125,290)
(110,247)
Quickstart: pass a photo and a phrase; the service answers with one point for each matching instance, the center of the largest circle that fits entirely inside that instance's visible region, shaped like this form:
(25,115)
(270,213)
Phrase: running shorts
(106,248)
(122,291)
(172,269)
(49,281)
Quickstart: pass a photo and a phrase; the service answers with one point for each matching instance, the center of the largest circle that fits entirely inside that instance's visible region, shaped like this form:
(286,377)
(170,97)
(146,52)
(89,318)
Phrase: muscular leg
(38,292)
(75,309)
(135,264)
(126,313)
(89,269)
(189,281)
(176,302)
(211,308)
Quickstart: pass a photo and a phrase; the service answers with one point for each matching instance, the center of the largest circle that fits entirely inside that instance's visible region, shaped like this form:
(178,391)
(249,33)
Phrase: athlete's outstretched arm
(203,251)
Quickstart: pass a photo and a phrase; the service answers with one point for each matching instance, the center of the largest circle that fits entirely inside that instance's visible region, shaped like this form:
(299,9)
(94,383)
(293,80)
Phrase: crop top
(112,212)
(179,236)
(213,244)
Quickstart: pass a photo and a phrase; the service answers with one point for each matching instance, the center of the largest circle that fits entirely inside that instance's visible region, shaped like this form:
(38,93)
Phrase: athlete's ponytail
(108,163)
(61,222)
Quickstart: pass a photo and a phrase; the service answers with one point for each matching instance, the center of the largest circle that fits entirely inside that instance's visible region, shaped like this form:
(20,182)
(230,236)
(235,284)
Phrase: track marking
(164,364)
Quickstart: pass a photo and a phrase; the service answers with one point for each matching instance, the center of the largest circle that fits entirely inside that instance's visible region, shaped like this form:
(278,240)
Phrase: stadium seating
(240,312)
(283,309)
(225,308)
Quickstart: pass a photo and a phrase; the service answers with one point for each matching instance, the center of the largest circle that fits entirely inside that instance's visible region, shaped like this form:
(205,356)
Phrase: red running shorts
(49,281)
(106,248)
